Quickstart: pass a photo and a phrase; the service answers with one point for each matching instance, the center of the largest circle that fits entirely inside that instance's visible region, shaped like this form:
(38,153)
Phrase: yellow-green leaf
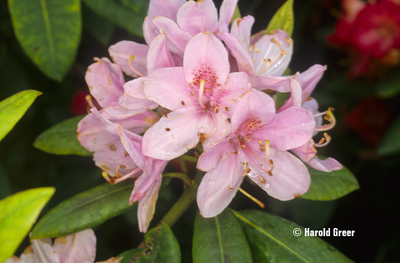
(13,108)
(283,19)
(49,32)
(18,213)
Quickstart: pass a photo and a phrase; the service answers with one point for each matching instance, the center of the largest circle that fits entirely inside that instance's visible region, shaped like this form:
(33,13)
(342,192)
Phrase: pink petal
(309,79)
(79,247)
(290,177)
(91,133)
(134,98)
(280,84)
(177,37)
(218,187)
(105,81)
(196,17)
(226,12)
(167,87)
(159,55)
(132,144)
(241,29)
(111,158)
(210,158)
(203,53)
(150,31)
(147,206)
(173,136)
(122,52)
(327,165)
(295,98)
(255,104)
(236,85)
(166,8)
(215,126)
(289,129)
(306,152)
(40,251)
(266,49)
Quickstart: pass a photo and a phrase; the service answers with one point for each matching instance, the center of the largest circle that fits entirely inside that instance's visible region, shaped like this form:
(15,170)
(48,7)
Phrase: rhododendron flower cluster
(372,32)
(200,81)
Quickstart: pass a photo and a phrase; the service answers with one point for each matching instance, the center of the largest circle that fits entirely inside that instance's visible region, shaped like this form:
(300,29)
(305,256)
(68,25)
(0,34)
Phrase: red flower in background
(369,119)
(372,32)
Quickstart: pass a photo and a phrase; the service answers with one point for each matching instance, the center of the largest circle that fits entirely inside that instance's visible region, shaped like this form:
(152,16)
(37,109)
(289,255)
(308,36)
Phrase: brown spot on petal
(112,147)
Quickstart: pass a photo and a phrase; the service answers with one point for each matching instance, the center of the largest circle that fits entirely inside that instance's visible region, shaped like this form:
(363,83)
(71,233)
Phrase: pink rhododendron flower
(200,95)
(372,31)
(307,152)
(257,147)
(78,247)
(263,57)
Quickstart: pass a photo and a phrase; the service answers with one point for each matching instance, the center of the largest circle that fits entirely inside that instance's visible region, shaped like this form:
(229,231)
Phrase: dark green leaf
(61,139)
(126,14)
(328,186)
(85,210)
(283,19)
(126,256)
(271,239)
(18,213)
(49,32)
(391,143)
(98,27)
(162,246)
(13,108)
(220,239)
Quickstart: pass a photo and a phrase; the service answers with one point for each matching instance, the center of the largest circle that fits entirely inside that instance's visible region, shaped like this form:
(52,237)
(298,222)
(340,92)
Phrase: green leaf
(390,143)
(220,239)
(328,186)
(124,13)
(236,14)
(61,139)
(18,213)
(85,210)
(271,239)
(283,19)
(126,256)
(49,32)
(162,246)
(13,108)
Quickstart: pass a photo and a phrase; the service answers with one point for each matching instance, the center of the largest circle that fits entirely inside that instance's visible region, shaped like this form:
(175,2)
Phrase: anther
(267,142)
(88,98)
(243,146)
(167,129)
(203,136)
(269,172)
(261,179)
(192,93)
(246,171)
(227,108)
(271,164)
(183,103)
(165,113)
(216,109)
(235,152)
(251,48)
(324,141)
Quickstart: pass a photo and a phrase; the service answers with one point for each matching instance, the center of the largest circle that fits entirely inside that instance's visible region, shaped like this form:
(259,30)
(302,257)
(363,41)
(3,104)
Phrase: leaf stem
(184,202)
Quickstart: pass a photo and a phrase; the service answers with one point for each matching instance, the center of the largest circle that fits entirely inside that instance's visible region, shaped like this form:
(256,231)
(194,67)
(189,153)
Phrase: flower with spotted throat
(257,147)
(199,95)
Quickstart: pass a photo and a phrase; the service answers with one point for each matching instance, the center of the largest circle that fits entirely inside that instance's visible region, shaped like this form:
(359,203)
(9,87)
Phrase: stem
(184,202)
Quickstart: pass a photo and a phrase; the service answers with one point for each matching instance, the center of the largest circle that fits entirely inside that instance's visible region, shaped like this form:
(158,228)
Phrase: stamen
(261,179)
(324,141)
(271,164)
(269,173)
(248,170)
(131,58)
(267,142)
(216,109)
(329,117)
(252,198)
(201,91)
(203,136)
(251,48)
